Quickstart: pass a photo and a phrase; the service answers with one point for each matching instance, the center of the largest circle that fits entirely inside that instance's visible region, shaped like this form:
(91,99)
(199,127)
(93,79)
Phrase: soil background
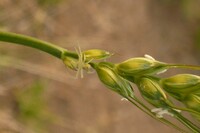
(166,29)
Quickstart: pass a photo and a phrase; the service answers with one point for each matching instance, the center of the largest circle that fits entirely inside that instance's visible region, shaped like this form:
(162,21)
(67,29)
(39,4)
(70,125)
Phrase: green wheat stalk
(141,71)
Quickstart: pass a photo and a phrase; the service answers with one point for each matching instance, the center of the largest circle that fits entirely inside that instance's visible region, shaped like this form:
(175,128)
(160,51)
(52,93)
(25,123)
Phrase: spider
(82,63)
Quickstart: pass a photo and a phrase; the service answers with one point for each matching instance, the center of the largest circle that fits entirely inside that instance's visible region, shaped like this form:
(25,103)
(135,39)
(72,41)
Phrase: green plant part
(84,58)
(88,56)
(135,67)
(112,80)
(141,71)
(192,101)
(152,92)
(96,54)
(32,42)
(76,65)
(70,63)
(181,85)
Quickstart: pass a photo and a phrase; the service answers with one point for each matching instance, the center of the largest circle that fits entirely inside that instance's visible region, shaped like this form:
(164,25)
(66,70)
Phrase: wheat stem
(148,112)
(183,66)
(47,47)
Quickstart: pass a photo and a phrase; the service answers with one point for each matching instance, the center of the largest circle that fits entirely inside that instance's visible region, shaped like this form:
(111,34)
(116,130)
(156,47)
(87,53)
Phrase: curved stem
(178,116)
(32,42)
(61,53)
(187,123)
(146,110)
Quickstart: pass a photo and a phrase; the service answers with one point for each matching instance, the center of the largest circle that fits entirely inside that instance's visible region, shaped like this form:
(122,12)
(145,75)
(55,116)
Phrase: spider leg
(78,71)
(80,63)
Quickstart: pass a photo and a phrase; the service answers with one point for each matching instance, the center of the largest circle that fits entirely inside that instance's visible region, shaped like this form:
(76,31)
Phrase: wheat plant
(141,71)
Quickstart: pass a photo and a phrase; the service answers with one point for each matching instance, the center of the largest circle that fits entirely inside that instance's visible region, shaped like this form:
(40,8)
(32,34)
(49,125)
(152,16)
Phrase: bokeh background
(39,95)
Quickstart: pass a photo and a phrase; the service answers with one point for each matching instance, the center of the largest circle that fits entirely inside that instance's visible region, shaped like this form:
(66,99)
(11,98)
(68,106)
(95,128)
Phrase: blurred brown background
(39,95)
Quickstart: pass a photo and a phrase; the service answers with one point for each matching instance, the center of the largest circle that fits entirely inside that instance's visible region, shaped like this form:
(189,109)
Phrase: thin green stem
(187,123)
(62,53)
(185,109)
(179,117)
(148,111)
(35,43)
(183,66)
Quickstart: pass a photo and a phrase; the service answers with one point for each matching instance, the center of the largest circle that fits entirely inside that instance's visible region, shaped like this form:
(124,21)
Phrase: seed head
(192,101)
(181,85)
(139,66)
(152,92)
(112,80)
(96,54)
